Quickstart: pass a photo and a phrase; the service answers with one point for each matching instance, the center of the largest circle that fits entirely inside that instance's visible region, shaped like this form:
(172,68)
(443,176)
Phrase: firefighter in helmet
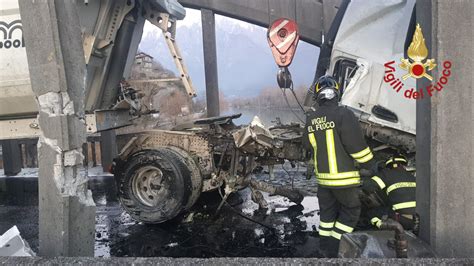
(335,139)
(397,187)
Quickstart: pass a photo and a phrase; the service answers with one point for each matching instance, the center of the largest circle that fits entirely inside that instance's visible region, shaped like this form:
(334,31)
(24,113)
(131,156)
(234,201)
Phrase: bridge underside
(314,17)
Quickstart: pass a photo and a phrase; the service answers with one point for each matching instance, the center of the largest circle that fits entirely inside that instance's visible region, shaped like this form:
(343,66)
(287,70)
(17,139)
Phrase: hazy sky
(193,16)
(259,74)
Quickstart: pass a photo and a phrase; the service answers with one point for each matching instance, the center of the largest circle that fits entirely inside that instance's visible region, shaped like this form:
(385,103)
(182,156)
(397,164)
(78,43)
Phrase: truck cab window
(344,70)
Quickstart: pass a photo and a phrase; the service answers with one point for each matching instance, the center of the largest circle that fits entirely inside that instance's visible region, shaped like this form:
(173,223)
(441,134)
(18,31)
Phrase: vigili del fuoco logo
(417,67)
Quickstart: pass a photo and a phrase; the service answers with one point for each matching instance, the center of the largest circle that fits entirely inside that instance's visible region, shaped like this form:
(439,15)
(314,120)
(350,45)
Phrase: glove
(370,170)
(364,173)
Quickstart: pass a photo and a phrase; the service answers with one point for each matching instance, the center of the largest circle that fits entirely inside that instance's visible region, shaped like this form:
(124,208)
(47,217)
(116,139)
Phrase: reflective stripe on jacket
(336,139)
(399,185)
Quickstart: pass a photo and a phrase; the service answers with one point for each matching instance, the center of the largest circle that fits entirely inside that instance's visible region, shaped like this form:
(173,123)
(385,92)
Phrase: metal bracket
(104,34)
(107,119)
(118,12)
(19,128)
(99,121)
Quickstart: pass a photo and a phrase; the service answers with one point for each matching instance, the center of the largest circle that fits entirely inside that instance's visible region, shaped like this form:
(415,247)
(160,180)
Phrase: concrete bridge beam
(313,17)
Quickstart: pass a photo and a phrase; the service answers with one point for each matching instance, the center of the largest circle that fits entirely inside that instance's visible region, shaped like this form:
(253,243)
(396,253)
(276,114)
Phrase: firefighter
(397,187)
(334,137)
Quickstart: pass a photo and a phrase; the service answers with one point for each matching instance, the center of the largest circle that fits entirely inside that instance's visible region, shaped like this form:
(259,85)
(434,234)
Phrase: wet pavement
(240,230)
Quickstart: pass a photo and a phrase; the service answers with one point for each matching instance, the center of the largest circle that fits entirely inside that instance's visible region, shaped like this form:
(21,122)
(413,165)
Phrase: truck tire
(157,185)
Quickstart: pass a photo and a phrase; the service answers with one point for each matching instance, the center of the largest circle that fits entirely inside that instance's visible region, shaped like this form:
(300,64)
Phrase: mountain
(245,62)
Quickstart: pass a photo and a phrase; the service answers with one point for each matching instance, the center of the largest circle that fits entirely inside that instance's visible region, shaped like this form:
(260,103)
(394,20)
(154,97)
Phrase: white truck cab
(371,34)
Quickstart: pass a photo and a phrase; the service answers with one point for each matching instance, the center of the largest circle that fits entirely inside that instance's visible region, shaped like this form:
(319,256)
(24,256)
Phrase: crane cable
(289,106)
(296,98)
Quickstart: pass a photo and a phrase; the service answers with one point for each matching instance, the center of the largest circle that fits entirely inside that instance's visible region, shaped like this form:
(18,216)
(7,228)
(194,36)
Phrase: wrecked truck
(215,153)
(161,174)
(212,150)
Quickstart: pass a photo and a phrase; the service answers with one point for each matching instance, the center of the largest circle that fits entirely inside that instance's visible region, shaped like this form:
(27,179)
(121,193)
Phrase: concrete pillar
(108,148)
(31,153)
(94,156)
(11,154)
(445,130)
(423,133)
(56,63)
(210,62)
(85,153)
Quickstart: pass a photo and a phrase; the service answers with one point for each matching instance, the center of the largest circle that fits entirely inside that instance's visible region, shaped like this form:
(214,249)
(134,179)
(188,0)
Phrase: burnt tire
(155,185)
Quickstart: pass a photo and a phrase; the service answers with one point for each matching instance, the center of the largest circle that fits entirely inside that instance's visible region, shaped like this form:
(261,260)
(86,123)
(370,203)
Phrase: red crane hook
(283,37)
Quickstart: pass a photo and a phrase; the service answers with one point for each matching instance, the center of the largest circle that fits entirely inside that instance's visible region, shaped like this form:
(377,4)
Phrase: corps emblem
(417,67)
(417,52)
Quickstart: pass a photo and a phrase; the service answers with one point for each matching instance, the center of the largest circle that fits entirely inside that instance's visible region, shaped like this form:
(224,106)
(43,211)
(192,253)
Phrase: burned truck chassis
(160,174)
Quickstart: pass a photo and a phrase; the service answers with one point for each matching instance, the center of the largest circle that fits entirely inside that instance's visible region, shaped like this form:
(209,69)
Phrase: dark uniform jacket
(398,185)
(334,136)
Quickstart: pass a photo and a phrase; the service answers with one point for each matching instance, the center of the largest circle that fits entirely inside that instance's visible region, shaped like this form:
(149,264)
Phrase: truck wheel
(156,185)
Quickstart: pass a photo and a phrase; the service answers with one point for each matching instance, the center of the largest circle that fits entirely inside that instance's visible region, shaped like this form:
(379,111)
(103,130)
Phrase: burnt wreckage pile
(161,174)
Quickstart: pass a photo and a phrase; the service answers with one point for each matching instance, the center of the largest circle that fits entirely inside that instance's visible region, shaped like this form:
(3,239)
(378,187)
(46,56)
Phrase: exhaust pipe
(401,243)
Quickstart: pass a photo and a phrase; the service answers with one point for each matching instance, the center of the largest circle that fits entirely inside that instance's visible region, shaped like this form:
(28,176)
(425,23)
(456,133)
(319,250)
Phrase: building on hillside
(144,62)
